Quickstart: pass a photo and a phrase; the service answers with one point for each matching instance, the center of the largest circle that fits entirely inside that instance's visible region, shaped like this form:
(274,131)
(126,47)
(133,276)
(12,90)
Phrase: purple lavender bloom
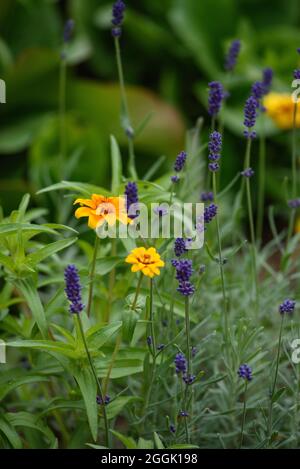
(189,379)
(215,98)
(68,30)
(99,400)
(232,55)
(258,91)
(172,428)
(149,340)
(297,74)
(131,194)
(245,372)
(118,17)
(175,179)
(183,413)
(180,161)
(160,347)
(184,269)
(179,247)
(186,288)
(180,363)
(298,50)
(295,203)
(207,197)
(214,147)
(247,173)
(287,307)
(250,113)
(267,79)
(73,289)
(210,212)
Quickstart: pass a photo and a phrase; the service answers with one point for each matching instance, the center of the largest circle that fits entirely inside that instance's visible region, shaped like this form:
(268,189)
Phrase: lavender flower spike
(131,194)
(232,55)
(287,307)
(245,372)
(73,289)
(180,162)
(118,17)
(215,98)
(250,113)
(215,147)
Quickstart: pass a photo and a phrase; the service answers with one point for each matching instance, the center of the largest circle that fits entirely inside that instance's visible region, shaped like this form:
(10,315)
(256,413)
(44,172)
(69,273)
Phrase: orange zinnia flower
(100,209)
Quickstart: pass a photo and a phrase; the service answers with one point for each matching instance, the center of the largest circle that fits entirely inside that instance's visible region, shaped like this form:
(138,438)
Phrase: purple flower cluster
(297,74)
(99,400)
(287,307)
(214,147)
(210,212)
(184,271)
(180,162)
(73,289)
(131,194)
(118,17)
(180,363)
(207,197)
(232,55)
(175,179)
(250,115)
(267,79)
(245,372)
(247,173)
(180,247)
(215,97)
(294,203)
(68,30)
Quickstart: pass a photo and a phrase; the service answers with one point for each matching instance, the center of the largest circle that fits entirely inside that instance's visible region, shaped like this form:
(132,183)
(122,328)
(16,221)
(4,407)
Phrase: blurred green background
(171,49)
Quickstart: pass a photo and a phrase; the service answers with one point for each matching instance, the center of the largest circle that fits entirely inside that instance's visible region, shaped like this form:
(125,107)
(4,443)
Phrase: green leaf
(41,254)
(158,443)
(107,264)
(127,441)
(99,335)
(183,446)
(7,229)
(10,433)
(77,187)
(88,388)
(117,405)
(14,383)
(25,419)
(47,346)
(30,293)
(116,164)
(7,262)
(278,394)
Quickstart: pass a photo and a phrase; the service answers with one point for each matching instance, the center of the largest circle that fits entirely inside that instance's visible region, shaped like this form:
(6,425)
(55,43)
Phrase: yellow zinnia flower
(280,107)
(144,260)
(100,209)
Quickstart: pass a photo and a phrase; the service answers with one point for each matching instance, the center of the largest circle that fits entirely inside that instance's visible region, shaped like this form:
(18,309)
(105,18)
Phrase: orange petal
(83,212)
(88,202)
(94,221)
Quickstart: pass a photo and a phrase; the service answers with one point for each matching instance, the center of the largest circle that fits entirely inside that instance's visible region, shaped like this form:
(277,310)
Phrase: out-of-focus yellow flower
(144,260)
(100,209)
(280,107)
(297,228)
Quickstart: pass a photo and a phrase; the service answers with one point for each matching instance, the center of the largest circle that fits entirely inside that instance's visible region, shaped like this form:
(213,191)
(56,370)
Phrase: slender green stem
(154,355)
(62,116)
(244,415)
(188,356)
(137,292)
(251,225)
(111,282)
(261,183)
(270,418)
(91,276)
(225,312)
(125,117)
(294,175)
(93,369)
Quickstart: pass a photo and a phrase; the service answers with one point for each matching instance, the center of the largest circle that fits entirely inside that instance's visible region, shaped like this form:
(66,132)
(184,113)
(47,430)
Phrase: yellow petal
(94,221)
(88,202)
(83,212)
